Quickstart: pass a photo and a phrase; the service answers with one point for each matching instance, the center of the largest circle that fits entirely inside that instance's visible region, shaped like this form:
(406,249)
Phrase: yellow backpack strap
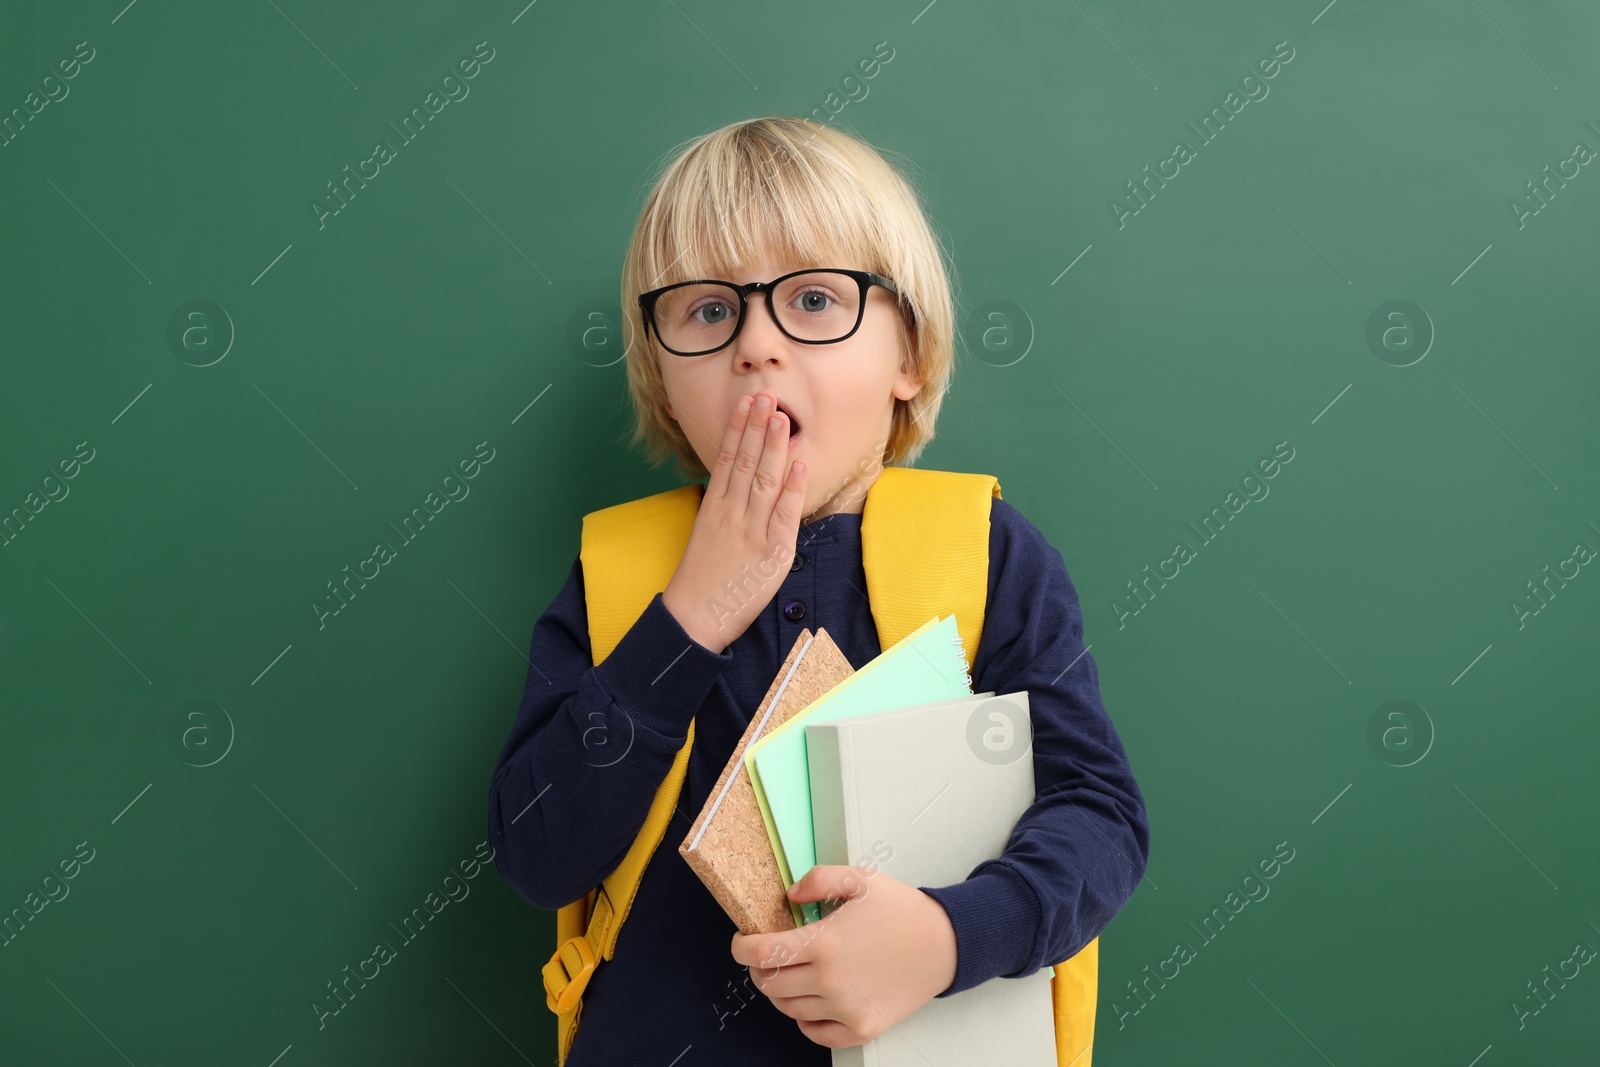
(629,553)
(1074,988)
(925,549)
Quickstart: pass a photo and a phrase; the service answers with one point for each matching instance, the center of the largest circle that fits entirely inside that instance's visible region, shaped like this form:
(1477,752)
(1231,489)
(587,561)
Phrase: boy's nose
(760,341)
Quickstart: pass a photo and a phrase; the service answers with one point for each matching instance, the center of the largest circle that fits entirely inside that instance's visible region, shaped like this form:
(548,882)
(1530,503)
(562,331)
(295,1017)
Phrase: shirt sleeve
(591,745)
(1078,852)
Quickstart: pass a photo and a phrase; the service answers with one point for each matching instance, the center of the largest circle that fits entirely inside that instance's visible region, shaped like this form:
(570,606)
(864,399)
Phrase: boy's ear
(905,386)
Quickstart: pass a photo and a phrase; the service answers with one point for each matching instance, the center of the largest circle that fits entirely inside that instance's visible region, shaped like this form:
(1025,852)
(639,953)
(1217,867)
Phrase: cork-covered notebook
(728,846)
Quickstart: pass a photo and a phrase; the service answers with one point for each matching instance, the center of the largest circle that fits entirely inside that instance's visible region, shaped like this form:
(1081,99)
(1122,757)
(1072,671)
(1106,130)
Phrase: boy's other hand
(846,978)
(744,535)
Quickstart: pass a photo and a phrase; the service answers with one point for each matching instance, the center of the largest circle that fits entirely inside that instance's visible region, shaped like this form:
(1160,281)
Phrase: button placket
(797,588)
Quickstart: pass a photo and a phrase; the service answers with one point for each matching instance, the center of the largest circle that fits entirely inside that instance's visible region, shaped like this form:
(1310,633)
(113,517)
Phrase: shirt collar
(840,527)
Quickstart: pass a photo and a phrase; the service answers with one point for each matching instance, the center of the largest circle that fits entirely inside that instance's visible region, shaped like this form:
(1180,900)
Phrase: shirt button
(794,611)
(799,562)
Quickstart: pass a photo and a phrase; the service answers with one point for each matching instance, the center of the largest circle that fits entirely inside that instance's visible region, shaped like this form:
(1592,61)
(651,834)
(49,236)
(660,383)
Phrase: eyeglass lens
(814,306)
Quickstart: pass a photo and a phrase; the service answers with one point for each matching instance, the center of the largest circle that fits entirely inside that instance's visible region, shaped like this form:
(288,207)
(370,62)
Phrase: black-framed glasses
(813,307)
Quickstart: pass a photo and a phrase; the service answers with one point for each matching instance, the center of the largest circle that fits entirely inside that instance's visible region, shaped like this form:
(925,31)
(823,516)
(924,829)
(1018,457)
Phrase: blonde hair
(808,193)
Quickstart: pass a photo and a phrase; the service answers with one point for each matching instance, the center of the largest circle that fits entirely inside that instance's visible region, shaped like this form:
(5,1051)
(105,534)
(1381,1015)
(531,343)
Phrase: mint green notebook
(928,665)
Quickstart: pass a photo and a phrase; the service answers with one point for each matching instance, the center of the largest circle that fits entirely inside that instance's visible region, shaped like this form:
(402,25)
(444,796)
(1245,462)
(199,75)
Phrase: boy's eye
(716,311)
(814,300)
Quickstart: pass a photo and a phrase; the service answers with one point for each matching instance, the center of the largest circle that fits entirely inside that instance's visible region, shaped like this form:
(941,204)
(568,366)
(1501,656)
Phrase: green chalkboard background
(247,390)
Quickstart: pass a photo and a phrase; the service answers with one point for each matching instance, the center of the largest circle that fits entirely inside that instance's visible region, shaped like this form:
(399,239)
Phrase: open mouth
(794,423)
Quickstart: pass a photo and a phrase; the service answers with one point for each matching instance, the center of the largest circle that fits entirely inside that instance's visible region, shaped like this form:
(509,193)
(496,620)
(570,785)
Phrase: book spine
(831,797)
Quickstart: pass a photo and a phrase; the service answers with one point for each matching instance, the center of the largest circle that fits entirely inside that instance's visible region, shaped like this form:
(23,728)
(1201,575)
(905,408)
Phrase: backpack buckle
(563,987)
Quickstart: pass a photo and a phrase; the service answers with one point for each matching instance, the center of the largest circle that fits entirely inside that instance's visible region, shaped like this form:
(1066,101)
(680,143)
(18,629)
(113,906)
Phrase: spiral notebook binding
(960,651)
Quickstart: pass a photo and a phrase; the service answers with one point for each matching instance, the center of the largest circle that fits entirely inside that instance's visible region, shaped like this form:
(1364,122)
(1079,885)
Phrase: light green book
(927,665)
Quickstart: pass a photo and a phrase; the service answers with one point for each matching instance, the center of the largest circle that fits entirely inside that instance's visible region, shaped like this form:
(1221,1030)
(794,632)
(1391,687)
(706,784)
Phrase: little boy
(852,353)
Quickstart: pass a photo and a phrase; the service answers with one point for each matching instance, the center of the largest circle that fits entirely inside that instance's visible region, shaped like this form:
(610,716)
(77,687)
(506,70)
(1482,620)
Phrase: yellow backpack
(925,550)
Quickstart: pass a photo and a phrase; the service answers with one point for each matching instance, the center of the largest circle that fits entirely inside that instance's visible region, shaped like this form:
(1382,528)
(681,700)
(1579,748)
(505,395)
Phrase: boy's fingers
(785,524)
(771,951)
(789,985)
(770,469)
(748,457)
(732,434)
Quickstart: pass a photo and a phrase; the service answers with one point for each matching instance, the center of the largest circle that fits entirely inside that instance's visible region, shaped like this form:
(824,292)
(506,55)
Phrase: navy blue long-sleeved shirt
(591,744)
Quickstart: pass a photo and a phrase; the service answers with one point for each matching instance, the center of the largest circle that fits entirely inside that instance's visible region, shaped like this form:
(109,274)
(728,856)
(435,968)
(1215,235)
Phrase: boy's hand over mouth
(745,532)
